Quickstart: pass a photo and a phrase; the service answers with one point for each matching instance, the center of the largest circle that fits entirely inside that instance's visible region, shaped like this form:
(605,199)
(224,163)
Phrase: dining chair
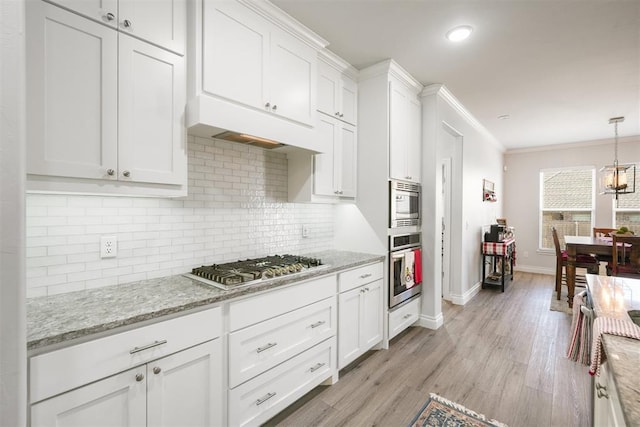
(589,262)
(626,256)
(602,232)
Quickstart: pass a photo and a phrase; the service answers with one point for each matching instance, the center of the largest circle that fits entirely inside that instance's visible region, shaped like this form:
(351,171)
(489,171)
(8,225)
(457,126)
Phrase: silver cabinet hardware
(147,347)
(318,323)
(267,105)
(316,367)
(362,291)
(406,316)
(341,115)
(601,391)
(337,114)
(157,370)
(366,289)
(265,398)
(127,174)
(275,107)
(266,347)
(127,23)
(364,276)
(139,377)
(407,177)
(110,172)
(110,16)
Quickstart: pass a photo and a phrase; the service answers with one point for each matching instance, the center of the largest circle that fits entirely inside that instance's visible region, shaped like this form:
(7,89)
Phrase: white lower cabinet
(165,374)
(359,314)
(606,403)
(404,316)
(256,401)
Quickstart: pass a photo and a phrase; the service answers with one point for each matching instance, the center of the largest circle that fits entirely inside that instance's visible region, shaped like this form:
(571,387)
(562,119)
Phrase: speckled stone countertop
(613,297)
(59,318)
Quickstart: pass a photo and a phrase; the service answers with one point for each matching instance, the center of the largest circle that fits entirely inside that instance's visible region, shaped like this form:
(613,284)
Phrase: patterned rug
(440,412)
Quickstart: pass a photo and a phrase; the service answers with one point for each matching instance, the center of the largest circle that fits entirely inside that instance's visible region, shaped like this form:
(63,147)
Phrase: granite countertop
(59,318)
(613,297)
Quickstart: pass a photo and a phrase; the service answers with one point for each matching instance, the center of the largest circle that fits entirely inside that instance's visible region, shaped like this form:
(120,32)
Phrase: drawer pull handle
(364,276)
(318,323)
(147,347)
(406,316)
(265,398)
(317,366)
(266,347)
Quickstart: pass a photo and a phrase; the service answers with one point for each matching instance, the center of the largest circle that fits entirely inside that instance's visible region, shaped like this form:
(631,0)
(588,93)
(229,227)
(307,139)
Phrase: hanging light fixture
(618,179)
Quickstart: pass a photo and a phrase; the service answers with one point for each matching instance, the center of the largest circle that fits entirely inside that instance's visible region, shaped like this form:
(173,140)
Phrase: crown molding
(333,60)
(277,16)
(445,94)
(391,68)
(572,145)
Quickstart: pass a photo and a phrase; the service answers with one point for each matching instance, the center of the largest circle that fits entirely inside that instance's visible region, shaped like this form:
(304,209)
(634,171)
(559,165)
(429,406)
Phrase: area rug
(440,412)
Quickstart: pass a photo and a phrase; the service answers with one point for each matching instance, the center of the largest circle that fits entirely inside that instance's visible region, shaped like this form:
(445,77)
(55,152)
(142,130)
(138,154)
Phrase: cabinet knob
(267,105)
(110,172)
(109,16)
(275,107)
(341,115)
(337,114)
(127,174)
(407,177)
(127,23)
(139,377)
(157,370)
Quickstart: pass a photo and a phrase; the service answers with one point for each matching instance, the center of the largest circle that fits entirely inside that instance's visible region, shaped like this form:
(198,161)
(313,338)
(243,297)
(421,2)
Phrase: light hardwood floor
(501,355)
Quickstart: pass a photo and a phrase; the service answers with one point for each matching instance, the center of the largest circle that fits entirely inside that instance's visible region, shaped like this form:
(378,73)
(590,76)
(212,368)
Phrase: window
(628,211)
(566,203)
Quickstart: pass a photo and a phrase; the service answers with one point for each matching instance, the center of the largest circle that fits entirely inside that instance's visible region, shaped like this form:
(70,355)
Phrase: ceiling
(559,68)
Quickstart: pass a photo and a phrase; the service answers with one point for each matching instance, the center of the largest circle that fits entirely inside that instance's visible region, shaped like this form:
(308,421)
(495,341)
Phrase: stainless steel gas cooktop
(237,274)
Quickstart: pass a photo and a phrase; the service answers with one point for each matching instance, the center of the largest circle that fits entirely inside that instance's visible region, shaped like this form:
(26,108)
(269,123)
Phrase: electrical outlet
(108,247)
(305,231)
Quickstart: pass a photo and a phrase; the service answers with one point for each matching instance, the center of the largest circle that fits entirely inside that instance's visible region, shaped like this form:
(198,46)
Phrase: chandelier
(618,179)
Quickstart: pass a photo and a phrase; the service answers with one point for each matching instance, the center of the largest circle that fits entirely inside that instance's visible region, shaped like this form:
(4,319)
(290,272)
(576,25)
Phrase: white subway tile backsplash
(236,207)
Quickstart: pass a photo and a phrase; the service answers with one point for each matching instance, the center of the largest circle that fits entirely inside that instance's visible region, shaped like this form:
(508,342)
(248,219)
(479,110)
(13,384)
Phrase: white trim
(535,269)
(334,61)
(277,16)
(573,145)
(391,67)
(442,91)
(430,322)
(467,296)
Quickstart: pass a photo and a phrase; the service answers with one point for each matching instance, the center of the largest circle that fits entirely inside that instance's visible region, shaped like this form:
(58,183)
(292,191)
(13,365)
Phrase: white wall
(522,190)
(236,208)
(475,157)
(13,357)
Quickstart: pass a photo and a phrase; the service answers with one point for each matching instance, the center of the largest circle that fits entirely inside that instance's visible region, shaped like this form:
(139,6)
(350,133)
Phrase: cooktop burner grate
(243,273)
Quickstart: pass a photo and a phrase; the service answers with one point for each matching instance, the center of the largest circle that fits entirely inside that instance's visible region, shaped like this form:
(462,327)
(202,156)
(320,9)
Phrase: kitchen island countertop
(613,297)
(54,320)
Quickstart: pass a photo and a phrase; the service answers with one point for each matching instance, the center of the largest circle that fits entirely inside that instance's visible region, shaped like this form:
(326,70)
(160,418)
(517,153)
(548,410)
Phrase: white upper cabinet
(160,22)
(334,172)
(337,93)
(404,133)
(102,106)
(248,60)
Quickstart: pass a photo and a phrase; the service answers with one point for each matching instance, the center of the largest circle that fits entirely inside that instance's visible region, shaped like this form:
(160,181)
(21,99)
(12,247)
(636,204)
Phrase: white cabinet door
(324,169)
(347,159)
(161,22)
(349,326)
(72,94)
(151,141)
(328,89)
(235,53)
(398,132)
(292,78)
(371,330)
(349,100)
(414,140)
(105,11)
(119,400)
(185,389)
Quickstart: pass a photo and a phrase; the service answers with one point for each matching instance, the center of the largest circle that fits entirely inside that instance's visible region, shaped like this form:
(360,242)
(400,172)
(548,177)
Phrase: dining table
(583,245)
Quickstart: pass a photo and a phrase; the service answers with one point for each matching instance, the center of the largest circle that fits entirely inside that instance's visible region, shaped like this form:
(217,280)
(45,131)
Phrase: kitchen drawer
(256,401)
(258,348)
(404,316)
(255,309)
(359,276)
(61,370)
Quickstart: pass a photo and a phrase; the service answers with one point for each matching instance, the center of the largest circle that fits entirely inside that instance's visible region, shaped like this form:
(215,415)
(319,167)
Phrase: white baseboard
(467,296)
(430,322)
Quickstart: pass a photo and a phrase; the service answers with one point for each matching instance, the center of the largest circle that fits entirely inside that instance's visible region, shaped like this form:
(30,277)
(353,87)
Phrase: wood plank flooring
(501,355)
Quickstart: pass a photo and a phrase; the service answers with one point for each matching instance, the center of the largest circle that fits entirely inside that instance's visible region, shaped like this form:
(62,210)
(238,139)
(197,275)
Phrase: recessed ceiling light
(460,33)
(504,117)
